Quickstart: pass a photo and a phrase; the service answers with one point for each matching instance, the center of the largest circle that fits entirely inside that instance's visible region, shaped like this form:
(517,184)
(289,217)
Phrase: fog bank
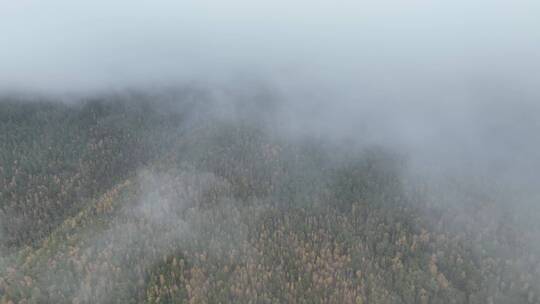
(452,84)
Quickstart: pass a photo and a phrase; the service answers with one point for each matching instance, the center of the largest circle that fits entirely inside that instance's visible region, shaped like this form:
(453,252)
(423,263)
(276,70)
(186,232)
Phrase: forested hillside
(139,199)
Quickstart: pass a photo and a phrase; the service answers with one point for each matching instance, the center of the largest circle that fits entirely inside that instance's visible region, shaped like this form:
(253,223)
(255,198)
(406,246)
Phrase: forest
(133,198)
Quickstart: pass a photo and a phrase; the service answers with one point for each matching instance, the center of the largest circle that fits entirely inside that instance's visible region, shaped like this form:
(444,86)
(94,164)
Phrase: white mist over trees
(270,151)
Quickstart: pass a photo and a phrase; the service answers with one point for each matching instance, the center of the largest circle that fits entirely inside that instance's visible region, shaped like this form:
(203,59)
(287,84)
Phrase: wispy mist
(453,87)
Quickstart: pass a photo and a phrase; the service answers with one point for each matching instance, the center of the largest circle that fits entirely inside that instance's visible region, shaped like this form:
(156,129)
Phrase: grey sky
(79,45)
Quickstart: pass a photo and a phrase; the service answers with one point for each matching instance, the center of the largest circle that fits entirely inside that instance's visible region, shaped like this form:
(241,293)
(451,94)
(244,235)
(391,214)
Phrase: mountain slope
(120,200)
